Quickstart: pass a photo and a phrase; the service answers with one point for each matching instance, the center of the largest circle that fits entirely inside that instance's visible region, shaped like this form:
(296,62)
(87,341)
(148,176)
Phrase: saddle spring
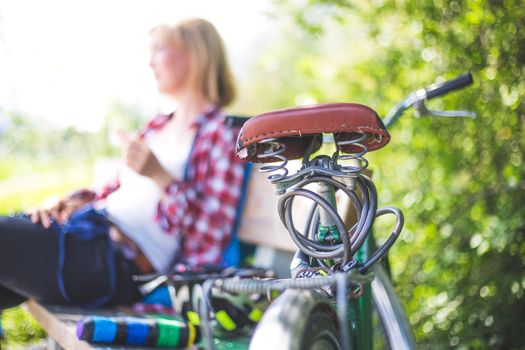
(274,149)
(356,161)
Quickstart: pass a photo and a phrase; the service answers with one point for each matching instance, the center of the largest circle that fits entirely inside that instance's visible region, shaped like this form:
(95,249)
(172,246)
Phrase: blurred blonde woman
(173,201)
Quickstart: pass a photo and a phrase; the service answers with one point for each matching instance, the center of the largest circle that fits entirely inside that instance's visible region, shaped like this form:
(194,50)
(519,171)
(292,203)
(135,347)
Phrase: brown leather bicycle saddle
(296,127)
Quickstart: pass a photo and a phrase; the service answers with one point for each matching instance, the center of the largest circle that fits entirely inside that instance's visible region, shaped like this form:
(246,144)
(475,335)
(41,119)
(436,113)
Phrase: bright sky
(64,60)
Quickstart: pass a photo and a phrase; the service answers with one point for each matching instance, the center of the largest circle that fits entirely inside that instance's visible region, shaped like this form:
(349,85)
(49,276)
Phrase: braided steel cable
(378,254)
(345,177)
(352,239)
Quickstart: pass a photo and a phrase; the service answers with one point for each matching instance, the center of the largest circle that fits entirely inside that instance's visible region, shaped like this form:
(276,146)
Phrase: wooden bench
(260,225)
(60,325)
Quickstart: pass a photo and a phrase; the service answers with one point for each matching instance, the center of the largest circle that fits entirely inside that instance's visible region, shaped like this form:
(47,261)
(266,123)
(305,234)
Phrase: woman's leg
(28,259)
(9,299)
(86,273)
(29,263)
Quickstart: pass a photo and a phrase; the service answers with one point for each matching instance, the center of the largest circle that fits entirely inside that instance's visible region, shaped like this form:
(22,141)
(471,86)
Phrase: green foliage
(459,265)
(20,327)
(30,146)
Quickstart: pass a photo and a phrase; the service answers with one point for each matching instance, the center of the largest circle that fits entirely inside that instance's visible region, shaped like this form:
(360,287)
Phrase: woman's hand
(140,158)
(60,210)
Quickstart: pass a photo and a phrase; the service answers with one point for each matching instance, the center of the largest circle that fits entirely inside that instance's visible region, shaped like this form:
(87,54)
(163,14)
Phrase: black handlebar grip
(448,86)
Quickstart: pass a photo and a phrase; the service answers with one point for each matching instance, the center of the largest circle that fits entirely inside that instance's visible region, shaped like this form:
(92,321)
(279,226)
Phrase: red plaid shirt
(202,206)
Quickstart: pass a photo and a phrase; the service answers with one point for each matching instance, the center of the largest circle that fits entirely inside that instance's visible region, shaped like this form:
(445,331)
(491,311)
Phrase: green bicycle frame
(359,309)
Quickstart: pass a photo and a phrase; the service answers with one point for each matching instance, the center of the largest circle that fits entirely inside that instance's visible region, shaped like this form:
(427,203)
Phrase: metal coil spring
(276,149)
(357,157)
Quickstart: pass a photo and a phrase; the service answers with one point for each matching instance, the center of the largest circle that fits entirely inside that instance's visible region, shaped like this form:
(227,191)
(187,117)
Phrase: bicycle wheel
(297,320)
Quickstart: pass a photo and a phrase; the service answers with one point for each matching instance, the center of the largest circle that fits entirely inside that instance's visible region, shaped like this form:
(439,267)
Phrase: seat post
(327,231)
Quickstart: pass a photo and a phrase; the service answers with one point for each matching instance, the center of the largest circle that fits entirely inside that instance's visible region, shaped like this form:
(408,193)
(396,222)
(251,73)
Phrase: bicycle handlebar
(448,86)
(418,97)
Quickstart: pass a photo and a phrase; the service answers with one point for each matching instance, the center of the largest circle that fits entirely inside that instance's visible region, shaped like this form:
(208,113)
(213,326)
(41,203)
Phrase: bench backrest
(260,223)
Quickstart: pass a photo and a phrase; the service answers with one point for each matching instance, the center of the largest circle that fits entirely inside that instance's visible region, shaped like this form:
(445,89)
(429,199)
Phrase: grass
(20,328)
(31,185)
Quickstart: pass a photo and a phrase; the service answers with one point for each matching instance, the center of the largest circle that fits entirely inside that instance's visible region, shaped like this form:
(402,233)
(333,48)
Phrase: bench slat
(60,327)
(60,324)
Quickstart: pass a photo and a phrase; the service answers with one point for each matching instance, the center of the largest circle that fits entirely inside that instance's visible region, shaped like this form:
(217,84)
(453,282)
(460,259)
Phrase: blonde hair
(209,69)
